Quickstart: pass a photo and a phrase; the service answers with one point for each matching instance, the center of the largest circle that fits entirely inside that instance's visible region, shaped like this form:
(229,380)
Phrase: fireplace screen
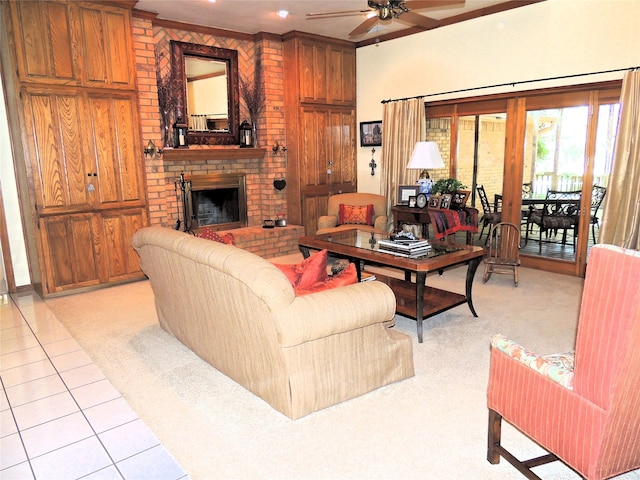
(211,207)
(217,201)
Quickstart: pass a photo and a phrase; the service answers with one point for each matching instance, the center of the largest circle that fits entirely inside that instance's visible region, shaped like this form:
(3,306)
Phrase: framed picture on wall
(371,134)
(405,192)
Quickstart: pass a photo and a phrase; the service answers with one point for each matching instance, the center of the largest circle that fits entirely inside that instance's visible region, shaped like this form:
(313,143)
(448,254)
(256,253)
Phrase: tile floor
(60,418)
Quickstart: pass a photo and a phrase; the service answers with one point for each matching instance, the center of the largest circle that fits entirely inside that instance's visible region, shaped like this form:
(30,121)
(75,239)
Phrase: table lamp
(425,155)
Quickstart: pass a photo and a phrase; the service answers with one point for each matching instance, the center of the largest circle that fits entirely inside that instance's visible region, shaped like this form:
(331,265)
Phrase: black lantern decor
(180,134)
(246,134)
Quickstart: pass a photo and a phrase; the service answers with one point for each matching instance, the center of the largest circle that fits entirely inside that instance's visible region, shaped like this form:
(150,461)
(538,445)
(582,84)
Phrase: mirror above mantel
(208,99)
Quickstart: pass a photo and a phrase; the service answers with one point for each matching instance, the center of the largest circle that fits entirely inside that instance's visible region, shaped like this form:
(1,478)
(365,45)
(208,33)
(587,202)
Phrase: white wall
(11,204)
(547,39)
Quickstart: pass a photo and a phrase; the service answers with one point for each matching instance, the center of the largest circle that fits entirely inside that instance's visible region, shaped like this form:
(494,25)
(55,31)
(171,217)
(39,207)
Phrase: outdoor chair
(503,255)
(560,211)
(597,196)
(583,407)
(489,217)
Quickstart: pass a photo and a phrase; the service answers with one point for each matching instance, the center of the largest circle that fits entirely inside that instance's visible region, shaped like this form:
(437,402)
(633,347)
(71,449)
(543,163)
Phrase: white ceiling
(253,16)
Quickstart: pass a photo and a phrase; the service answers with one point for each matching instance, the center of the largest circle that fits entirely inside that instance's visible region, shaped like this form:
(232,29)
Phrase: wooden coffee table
(415,300)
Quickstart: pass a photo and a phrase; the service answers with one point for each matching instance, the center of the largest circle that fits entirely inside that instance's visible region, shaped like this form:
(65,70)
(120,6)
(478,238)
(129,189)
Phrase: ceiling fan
(389,10)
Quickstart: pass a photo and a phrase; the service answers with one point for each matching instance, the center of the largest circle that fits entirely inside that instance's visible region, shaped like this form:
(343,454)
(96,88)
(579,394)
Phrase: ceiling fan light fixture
(385,13)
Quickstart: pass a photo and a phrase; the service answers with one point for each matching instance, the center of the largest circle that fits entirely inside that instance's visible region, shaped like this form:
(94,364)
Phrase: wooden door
(116,173)
(60,166)
(326,165)
(71,251)
(120,260)
(107,59)
(45,42)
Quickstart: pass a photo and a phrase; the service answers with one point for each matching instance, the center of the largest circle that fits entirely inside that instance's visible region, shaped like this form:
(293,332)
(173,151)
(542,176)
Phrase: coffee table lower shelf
(436,300)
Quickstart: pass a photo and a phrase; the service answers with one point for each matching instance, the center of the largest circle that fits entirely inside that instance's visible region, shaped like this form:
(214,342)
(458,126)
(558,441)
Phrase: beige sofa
(238,312)
(329,222)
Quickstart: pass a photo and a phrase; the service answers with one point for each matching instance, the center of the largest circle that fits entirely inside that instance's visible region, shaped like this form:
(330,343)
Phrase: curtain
(621,217)
(403,125)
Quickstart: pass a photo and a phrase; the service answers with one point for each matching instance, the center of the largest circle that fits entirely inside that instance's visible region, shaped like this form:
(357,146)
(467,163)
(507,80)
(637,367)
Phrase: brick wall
(264,201)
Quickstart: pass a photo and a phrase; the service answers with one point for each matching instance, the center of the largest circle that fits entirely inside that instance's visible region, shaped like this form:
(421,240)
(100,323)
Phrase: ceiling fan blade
(311,16)
(417,19)
(418,4)
(364,27)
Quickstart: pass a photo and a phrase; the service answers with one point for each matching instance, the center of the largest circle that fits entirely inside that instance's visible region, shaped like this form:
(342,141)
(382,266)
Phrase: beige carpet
(432,426)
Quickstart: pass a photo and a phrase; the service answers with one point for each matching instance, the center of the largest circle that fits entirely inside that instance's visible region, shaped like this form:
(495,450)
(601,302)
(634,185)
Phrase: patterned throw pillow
(355,214)
(209,234)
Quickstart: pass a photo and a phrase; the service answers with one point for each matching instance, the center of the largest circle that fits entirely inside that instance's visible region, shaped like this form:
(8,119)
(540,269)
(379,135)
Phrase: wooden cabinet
(81,139)
(72,43)
(85,249)
(320,124)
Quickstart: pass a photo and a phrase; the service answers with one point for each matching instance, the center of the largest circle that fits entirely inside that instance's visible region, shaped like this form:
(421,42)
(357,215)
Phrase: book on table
(414,249)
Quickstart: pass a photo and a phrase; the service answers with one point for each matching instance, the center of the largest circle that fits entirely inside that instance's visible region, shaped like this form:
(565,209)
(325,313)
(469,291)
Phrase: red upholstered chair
(584,410)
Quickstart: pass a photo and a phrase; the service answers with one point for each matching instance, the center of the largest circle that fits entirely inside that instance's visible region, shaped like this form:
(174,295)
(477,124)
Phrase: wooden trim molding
(203,154)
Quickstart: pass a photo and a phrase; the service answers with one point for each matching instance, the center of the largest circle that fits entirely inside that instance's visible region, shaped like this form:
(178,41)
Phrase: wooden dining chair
(489,216)
(503,254)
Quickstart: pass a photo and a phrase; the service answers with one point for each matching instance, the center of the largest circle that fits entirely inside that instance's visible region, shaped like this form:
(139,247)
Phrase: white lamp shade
(425,155)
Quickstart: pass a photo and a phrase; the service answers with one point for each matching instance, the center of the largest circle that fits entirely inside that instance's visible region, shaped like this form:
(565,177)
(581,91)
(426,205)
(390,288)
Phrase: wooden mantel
(201,154)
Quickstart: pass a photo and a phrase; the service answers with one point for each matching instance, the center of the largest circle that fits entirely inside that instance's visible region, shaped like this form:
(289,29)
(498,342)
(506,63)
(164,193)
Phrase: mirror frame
(178,51)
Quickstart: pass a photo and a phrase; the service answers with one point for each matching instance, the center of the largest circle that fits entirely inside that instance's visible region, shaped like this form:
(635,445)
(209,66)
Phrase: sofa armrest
(327,221)
(558,368)
(380,223)
(334,311)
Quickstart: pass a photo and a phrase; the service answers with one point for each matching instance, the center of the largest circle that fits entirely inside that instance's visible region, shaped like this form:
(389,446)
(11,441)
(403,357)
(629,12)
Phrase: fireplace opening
(216,201)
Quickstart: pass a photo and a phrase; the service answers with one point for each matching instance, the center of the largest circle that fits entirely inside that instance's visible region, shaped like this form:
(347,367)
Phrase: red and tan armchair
(585,408)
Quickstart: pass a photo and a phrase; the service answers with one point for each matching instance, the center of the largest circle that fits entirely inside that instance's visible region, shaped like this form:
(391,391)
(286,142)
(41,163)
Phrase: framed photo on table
(412,201)
(434,201)
(446,200)
(406,191)
(371,134)
(459,199)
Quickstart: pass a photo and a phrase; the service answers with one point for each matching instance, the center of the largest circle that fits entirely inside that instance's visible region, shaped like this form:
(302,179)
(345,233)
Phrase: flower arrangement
(253,95)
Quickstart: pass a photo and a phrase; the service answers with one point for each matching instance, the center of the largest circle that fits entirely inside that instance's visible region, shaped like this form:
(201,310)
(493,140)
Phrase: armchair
(331,221)
(587,416)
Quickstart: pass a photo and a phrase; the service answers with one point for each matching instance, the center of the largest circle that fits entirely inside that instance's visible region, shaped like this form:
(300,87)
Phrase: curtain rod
(513,84)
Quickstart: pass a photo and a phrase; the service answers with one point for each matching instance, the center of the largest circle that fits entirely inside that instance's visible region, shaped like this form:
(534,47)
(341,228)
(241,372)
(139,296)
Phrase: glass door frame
(516,105)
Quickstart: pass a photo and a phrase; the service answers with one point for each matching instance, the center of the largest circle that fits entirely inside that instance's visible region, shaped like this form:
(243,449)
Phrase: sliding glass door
(521,147)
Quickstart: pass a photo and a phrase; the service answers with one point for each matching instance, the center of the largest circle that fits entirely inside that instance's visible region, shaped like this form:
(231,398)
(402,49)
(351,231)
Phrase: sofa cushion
(209,234)
(355,214)
(310,271)
(346,276)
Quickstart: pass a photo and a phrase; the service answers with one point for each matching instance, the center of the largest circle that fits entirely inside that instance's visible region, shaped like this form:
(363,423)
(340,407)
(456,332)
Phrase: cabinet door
(342,74)
(60,166)
(106,46)
(327,159)
(70,247)
(44,42)
(113,122)
(119,259)
(313,72)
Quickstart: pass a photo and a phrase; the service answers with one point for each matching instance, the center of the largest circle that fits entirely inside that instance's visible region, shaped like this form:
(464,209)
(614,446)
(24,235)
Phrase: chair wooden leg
(493,437)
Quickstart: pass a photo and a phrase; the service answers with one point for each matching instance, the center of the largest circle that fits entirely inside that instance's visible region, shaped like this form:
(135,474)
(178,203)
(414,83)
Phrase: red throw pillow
(355,214)
(209,234)
(347,276)
(311,270)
